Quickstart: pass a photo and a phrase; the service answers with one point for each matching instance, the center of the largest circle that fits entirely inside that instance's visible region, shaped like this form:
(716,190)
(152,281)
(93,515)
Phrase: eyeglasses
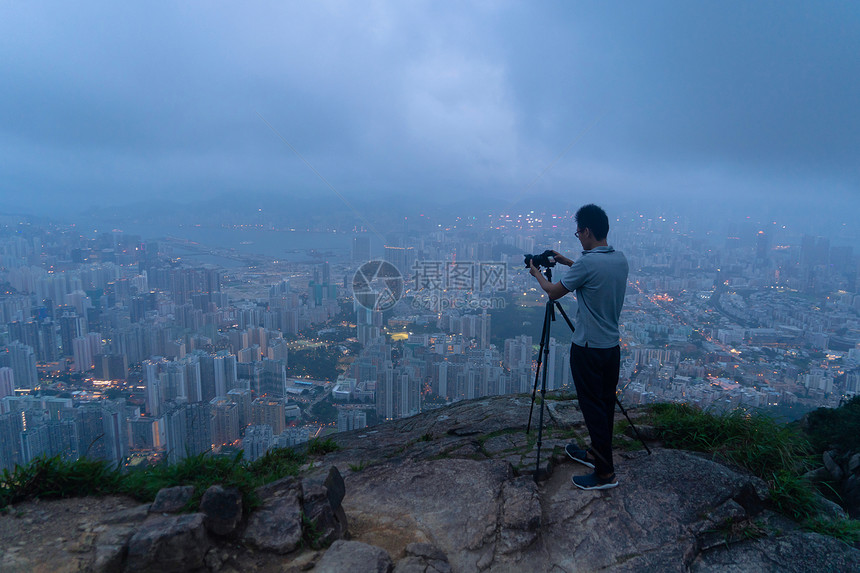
(576,234)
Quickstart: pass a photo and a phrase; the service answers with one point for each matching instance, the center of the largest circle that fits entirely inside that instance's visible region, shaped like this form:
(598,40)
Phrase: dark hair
(593,217)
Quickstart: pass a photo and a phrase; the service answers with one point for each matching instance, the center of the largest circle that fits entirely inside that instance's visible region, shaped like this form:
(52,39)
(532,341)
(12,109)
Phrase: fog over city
(738,105)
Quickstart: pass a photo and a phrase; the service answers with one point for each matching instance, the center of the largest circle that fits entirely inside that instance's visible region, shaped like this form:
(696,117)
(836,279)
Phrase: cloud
(107,102)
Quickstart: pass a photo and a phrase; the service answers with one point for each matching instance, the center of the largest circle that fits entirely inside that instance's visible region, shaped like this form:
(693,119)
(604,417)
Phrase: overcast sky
(107,103)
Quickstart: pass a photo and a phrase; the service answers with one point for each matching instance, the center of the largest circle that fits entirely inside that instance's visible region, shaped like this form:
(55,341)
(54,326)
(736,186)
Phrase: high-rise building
(351,420)
(154,395)
(225,421)
(49,438)
(269,412)
(7,382)
(82,354)
(188,430)
(102,431)
(403,259)
(257,441)
(243,398)
(71,326)
(21,359)
(361,249)
(518,352)
(145,433)
(273,379)
(11,425)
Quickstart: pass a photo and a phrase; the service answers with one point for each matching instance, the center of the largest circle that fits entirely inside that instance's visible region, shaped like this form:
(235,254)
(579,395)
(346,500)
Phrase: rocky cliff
(447,490)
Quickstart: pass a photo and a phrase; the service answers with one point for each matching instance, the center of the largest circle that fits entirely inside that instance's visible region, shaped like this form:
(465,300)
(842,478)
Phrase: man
(599,279)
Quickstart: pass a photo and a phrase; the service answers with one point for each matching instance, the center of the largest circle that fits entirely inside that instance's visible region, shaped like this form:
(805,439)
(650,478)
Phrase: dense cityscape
(135,348)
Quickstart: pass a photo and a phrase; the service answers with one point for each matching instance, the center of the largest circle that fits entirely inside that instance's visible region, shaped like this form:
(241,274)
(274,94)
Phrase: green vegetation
(622,441)
(561,395)
(752,441)
(324,411)
(774,452)
(320,363)
(836,428)
(52,477)
(322,447)
(55,478)
(355,468)
(846,530)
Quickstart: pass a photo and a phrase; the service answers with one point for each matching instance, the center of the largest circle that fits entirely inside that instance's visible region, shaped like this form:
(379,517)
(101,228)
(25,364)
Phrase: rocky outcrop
(222,510)
(172,499)
(277,525)
(168,544)
(454,490)
(841,473)
(354,557)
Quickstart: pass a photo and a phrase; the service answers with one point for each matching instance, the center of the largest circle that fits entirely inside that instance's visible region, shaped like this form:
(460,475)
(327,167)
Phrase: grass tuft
(845,530)
(776,453)
(55,478)
(753,441)
(322,447)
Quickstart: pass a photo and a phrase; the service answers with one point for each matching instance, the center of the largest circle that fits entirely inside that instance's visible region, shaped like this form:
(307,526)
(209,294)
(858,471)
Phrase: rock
(326,523)
(648,433)
(851,496)
(336,488)
(730,511)
(854,463)
(112,546)
(796,551)
(222,508)
(167,544)
(172,499)
(283,487)
(132,515)
(829,509)
(521,515)
(817,475)
(423,558)
(456,503)
(832,466)
(277,525)
(664,496)
(213,559)
(354,557)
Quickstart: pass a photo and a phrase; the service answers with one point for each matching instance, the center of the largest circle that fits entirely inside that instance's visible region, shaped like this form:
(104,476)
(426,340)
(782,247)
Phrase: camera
(545,259)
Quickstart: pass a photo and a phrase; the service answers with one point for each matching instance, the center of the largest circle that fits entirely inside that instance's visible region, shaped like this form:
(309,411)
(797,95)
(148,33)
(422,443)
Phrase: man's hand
(559,258)
(554,290)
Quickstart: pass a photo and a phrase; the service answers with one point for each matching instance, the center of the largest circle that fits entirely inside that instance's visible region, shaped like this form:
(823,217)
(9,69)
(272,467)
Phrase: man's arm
(554,290)
(561,259)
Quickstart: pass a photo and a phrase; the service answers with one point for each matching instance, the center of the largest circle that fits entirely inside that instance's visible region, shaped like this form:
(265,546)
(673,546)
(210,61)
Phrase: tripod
(549,317)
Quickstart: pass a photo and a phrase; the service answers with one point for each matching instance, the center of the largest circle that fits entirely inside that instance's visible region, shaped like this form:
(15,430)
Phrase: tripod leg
(564,315)
(543,399)
(544,342)
(632,425)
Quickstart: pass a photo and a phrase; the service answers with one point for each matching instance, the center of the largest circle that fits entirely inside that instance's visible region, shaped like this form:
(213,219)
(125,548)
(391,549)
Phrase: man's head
(592,224)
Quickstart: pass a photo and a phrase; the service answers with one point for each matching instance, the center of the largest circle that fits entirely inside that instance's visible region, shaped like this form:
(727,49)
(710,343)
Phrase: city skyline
(166,351)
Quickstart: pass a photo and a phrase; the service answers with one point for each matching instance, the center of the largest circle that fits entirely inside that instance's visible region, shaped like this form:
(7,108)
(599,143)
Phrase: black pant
(595,374)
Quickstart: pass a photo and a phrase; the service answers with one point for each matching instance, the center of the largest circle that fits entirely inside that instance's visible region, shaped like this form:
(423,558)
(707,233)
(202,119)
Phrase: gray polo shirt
(599,280)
